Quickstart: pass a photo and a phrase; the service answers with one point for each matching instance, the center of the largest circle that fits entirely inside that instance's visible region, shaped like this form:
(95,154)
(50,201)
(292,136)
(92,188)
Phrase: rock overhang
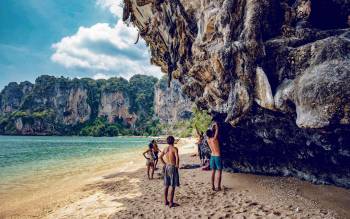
(228,54)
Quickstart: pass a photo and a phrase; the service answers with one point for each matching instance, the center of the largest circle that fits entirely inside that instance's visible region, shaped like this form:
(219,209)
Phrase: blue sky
(71,38)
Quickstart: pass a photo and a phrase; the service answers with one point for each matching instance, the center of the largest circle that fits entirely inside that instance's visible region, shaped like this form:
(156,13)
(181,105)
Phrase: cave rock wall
(274,73)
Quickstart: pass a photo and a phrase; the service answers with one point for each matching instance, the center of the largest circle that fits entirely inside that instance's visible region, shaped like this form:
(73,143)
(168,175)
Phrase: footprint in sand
(228,206)
(266,211)
(277,213)
(253,204)
(324,212)
(228,211)
(248,201)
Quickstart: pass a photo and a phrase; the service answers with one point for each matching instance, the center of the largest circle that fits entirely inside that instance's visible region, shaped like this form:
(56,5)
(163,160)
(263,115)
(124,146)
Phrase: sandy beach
(129,194)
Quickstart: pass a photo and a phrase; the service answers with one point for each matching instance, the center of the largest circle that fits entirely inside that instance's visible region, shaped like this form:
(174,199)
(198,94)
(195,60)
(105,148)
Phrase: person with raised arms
(215,158)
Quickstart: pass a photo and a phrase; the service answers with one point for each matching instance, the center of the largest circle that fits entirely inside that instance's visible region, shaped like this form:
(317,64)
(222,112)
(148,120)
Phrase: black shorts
(200,153)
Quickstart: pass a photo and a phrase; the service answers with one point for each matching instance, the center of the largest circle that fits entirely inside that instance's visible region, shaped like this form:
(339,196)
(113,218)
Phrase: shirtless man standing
(171,170)
(215,159)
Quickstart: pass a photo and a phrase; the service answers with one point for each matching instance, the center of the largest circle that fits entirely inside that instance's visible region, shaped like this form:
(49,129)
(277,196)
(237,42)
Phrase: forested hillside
(61,106)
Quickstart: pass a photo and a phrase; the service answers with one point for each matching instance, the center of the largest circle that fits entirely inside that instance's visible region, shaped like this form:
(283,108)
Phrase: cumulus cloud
(105,49)
(114,6)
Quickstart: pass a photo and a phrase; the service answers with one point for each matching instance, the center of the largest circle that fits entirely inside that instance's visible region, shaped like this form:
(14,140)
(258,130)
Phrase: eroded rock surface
(170,104)
(270,62)
(11,97)
(114,105)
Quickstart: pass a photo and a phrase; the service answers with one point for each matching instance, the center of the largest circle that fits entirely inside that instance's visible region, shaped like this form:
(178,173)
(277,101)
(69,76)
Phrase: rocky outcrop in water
(275,74)
(170,104)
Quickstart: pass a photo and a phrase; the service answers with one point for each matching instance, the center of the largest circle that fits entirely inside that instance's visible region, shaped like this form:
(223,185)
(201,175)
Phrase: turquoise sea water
(34,157)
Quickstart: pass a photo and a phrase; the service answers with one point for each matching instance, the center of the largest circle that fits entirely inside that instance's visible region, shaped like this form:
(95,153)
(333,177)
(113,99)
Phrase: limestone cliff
(61,106)
(274,73)
(114,105)
(170,104)
(12,95)
(66,101)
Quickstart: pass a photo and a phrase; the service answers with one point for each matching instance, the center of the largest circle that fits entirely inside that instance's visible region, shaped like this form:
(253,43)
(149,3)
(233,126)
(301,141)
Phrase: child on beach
(150,160)
(156,152)
(171,170)
(215,158)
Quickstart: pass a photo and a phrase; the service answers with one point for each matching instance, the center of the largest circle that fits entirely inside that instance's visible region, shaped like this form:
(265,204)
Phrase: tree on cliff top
(141,92)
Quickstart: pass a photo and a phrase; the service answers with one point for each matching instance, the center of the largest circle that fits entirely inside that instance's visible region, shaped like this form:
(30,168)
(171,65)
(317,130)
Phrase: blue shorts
(215,163)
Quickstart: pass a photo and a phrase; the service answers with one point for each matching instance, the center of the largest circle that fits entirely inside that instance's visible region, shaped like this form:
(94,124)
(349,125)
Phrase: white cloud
(101,76)
(105,49)
(114,6)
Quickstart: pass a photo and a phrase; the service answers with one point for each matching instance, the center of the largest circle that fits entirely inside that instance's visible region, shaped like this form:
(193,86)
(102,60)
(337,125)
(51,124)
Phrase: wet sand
(44,192)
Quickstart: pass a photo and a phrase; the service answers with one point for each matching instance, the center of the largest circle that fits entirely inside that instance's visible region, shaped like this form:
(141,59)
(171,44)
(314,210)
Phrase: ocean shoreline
(122,136)
(39,191)
(127,193)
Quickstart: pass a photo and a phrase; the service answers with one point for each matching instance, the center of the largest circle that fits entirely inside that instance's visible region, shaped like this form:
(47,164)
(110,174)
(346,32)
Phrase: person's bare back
(170,170)
(171,153)
(213,142)
(214,146)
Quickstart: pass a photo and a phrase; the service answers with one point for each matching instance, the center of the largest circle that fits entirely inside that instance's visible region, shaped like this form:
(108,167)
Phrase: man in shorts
(171,170)
(215,159)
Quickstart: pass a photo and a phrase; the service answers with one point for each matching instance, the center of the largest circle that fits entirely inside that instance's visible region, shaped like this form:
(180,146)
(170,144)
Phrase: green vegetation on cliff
(62,106)
(141,92)
(200,120)
(65,106)
(100,127)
